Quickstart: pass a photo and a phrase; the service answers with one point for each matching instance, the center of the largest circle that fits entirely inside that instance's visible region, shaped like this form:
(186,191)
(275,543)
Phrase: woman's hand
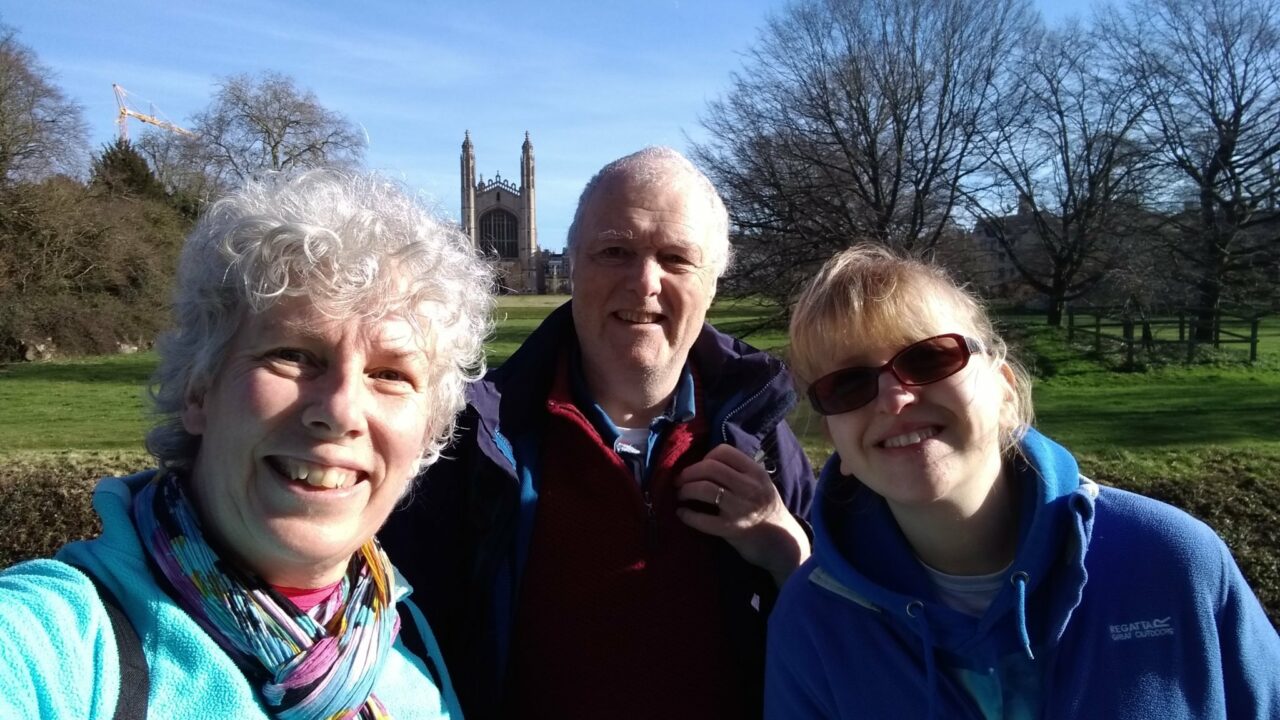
(743,507)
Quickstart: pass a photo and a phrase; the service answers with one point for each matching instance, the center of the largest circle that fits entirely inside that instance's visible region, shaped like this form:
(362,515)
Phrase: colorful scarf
(320,667)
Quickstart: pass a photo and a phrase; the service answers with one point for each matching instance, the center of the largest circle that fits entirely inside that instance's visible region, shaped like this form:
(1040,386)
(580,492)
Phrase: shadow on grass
(1194,411)
(127,370)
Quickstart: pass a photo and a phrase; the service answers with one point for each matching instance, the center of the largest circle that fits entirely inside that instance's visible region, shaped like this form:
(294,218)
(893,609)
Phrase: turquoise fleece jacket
(58,656)
(1121,607)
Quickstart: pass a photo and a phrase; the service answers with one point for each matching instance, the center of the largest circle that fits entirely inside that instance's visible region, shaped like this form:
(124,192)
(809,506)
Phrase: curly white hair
(354,245)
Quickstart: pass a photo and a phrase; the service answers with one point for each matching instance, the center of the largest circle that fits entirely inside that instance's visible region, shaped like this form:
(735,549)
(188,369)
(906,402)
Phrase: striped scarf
(320,667)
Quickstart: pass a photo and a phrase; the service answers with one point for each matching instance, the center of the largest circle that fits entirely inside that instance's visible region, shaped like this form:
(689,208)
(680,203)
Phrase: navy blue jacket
(1118,605)
(462,538)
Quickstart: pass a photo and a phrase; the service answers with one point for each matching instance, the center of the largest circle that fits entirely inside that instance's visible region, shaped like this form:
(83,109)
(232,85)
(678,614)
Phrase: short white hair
(663,166)
(354,245)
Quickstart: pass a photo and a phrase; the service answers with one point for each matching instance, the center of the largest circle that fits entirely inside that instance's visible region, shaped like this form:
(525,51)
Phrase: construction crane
(127,112)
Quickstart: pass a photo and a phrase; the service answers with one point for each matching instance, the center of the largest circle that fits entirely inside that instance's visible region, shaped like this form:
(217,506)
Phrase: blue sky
(590,80)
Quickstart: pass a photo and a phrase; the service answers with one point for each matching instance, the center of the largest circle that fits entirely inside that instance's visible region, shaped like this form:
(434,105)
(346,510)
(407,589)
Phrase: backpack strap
(135,677)
(418,639)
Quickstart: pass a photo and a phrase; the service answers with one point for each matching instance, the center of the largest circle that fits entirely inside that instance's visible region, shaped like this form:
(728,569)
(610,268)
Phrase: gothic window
(498,234)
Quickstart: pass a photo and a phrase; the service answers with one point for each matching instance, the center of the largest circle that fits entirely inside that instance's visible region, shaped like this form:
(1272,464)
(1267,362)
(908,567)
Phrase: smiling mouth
(317,476)
(637,317)
(912,438)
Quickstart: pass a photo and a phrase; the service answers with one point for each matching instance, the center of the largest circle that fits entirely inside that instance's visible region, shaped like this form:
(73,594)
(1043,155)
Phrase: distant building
(555,273)
(501,218)
(991,267)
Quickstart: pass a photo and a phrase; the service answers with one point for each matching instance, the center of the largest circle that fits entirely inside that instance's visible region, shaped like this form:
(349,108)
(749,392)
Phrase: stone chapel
(500,217)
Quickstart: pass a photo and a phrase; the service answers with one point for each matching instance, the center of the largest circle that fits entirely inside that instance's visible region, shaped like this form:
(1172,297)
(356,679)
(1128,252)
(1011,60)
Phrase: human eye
(681,256)
(677,260)
(931,360)
(395,378)
(612,254)
(389,374)
(852,380)
(289,360)
(290,354)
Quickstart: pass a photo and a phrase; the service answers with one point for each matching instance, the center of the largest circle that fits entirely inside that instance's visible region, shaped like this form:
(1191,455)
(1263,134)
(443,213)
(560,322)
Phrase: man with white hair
(607,535)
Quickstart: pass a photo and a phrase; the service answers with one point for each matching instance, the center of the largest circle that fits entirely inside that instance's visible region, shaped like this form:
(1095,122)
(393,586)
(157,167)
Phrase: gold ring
(719,495)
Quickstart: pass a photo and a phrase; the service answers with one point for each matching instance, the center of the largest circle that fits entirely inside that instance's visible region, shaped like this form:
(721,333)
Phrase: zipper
(724,423)
(641,473)
(650,522)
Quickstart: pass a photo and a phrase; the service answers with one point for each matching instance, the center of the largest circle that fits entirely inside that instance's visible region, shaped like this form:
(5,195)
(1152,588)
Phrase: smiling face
(642,281)
(310,432)
(926,444)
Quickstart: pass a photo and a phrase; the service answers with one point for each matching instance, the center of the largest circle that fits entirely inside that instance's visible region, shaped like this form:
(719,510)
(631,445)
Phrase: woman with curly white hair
(324,329)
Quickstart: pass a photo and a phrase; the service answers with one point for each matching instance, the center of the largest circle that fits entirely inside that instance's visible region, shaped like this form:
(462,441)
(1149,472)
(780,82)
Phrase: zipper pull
(650,521)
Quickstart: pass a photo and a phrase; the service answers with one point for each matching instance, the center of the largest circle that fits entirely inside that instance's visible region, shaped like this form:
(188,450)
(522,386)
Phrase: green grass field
(99,403)
(94,403)
(1090,407)
(1205,437)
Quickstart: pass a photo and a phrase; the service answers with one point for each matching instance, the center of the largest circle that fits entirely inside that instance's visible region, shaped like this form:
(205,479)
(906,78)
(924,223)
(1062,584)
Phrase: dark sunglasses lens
(843,390)
(931,360)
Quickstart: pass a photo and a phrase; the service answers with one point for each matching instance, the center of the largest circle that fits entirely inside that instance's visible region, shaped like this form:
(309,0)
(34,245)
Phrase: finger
(734,458)
(738,461)
(742,505)
(706,469)
(704,522)
(726,456)
(702,496)
(713,470)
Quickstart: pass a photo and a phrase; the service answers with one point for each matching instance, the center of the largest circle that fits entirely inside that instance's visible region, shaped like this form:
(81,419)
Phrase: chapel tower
(501,219)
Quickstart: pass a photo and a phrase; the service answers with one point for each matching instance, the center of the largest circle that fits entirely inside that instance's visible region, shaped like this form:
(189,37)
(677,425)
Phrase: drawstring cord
(915,611)
(1019,580)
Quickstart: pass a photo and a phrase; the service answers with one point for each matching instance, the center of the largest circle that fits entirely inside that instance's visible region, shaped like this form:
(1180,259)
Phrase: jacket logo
(1156,627)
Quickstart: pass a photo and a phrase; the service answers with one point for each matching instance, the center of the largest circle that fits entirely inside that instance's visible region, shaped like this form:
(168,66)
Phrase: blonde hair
(870,295)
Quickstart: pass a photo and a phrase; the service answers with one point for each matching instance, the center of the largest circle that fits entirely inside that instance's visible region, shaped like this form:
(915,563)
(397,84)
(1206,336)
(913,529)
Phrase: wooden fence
(1148,332)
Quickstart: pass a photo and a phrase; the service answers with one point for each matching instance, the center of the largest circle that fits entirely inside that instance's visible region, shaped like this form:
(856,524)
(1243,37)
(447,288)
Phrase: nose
(336,408)
(893,396)
(646,276)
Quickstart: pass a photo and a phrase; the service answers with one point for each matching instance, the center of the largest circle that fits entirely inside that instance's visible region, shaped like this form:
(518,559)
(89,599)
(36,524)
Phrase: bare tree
(267,123)
(42,132)
(1070,158)
(254,124)
(854,120)
(179,165)
(1210,71)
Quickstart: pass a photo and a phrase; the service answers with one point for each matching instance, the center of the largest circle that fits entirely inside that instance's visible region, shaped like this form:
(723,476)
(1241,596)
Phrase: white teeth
(638,317)
(910,438)
(317,475)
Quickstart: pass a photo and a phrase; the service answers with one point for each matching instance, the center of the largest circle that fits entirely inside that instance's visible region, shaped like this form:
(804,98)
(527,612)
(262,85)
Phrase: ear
(193,415)
(1007,418)
(1011,380)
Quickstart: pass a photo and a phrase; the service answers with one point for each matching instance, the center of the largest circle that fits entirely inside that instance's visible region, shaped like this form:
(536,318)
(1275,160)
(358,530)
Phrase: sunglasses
(919,363)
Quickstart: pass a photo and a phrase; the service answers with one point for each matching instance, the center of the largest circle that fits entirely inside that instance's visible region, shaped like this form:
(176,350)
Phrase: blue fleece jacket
(1121,606)
(58,657)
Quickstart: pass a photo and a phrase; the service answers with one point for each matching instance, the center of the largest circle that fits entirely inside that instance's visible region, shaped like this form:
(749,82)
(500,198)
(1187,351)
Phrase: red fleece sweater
(619,610)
